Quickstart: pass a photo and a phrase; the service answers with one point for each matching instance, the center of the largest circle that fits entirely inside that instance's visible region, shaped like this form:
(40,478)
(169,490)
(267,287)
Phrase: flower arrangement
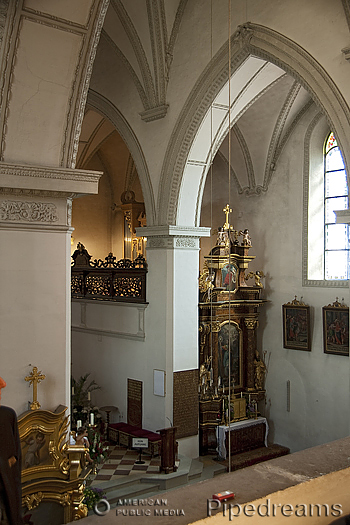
(92,495)
(98,451)
(81,399)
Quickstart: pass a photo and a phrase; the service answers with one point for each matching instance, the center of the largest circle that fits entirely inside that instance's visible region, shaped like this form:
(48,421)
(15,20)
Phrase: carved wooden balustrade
(108,280)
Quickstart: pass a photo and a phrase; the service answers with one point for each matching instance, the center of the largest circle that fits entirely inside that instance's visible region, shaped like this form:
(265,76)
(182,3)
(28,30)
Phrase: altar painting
(296,326)
(229,337)
(336,330)
(35,450)
(228,277)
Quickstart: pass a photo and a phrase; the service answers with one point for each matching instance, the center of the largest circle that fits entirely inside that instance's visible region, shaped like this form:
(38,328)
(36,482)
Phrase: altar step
(143,486)
(258,455)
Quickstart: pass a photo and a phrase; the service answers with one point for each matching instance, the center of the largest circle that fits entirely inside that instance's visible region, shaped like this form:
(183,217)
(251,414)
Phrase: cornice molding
(173,231)
(154,113)
(48,172)
(47,180)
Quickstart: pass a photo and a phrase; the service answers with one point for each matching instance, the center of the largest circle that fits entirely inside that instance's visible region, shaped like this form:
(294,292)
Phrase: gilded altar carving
(259,371)
(231,374)
(52,470)
(32,501)
(215,326)
(251,324)
(258,275)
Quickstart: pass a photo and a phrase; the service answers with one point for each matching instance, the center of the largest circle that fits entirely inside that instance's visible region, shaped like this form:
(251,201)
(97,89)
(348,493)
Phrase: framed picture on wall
(336,329)
(296,325)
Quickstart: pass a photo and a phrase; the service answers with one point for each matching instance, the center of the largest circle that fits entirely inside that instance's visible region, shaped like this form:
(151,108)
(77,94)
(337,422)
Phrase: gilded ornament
(215,326)
(81,511)
(337,304)
(251,324)
(53,450)
(65,499)
(33,500)
(34,378)
(205,280)
(259,371)
(258,275)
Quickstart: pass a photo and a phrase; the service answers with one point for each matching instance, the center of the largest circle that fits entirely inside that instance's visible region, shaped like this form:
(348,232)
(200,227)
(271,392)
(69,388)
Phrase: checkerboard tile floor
(122,462)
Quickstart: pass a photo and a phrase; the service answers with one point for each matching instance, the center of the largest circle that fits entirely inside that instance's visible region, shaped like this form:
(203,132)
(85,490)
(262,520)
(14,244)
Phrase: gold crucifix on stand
(227,210)
(34,378)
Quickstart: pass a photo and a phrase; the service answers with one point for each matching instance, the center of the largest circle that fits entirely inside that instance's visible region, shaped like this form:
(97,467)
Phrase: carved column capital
(251,324)
(215,326)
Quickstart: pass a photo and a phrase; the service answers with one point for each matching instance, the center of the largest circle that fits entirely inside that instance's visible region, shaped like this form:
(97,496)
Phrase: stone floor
(122,462)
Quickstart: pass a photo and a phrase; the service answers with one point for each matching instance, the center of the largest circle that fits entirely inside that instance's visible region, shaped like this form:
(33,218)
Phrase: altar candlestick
(219,381)
(89,396)
(92,418)
(79,423)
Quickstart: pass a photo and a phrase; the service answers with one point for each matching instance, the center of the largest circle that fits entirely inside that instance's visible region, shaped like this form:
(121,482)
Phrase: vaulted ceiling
(142,36)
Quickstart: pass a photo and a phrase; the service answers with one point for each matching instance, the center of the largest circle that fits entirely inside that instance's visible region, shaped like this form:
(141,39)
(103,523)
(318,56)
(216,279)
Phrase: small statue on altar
(204,373)
(259,371)
(220,241)
(246,241)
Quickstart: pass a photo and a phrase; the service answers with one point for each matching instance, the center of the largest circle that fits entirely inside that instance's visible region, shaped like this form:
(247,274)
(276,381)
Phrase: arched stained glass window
(336,197)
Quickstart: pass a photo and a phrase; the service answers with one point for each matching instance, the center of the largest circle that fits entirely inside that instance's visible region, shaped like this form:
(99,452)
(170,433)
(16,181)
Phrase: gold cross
(227,211)
(34,378)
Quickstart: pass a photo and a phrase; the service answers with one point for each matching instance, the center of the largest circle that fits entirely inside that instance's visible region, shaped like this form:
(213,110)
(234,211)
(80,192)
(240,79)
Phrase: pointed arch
(106,108)
(182,179)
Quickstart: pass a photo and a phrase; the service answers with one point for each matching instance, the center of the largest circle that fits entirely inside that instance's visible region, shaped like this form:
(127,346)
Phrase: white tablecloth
(222,429)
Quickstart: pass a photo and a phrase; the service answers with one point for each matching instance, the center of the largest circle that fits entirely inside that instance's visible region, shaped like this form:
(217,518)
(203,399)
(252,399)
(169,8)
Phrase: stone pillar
(35,323)
(172,315)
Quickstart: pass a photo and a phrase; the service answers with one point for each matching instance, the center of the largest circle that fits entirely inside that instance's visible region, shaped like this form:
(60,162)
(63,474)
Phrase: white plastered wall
(319,382)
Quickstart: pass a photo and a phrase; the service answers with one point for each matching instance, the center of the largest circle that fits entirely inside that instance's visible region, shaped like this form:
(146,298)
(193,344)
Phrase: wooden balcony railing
(108,280)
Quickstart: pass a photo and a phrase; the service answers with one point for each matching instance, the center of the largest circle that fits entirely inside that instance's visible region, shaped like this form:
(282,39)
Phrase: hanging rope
(229,260)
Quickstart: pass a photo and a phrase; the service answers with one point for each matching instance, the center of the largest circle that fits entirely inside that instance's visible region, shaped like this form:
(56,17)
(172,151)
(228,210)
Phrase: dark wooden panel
(246,438)
(135,402)
(185,399)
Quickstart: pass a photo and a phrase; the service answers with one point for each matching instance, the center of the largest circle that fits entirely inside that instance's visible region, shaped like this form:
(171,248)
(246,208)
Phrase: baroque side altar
(232,370)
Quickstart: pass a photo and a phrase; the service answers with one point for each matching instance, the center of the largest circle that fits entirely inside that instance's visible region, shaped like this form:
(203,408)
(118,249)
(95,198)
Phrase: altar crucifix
(227,210)
(34,378)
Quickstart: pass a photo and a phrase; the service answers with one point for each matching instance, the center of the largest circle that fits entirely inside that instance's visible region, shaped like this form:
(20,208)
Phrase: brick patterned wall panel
(186,403)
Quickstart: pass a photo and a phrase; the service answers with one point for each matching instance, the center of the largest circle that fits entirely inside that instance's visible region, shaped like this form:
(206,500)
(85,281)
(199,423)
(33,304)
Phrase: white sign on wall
(159,382)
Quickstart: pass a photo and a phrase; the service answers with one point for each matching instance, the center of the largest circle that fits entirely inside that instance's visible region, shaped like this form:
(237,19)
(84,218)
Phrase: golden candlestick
(34,378)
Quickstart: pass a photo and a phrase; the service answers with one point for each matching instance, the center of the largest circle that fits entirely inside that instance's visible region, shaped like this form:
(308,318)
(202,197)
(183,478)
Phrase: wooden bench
(122,434)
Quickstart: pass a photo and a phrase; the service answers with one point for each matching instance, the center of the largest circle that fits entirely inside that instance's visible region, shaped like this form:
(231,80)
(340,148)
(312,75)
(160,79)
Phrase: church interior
(174,220)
